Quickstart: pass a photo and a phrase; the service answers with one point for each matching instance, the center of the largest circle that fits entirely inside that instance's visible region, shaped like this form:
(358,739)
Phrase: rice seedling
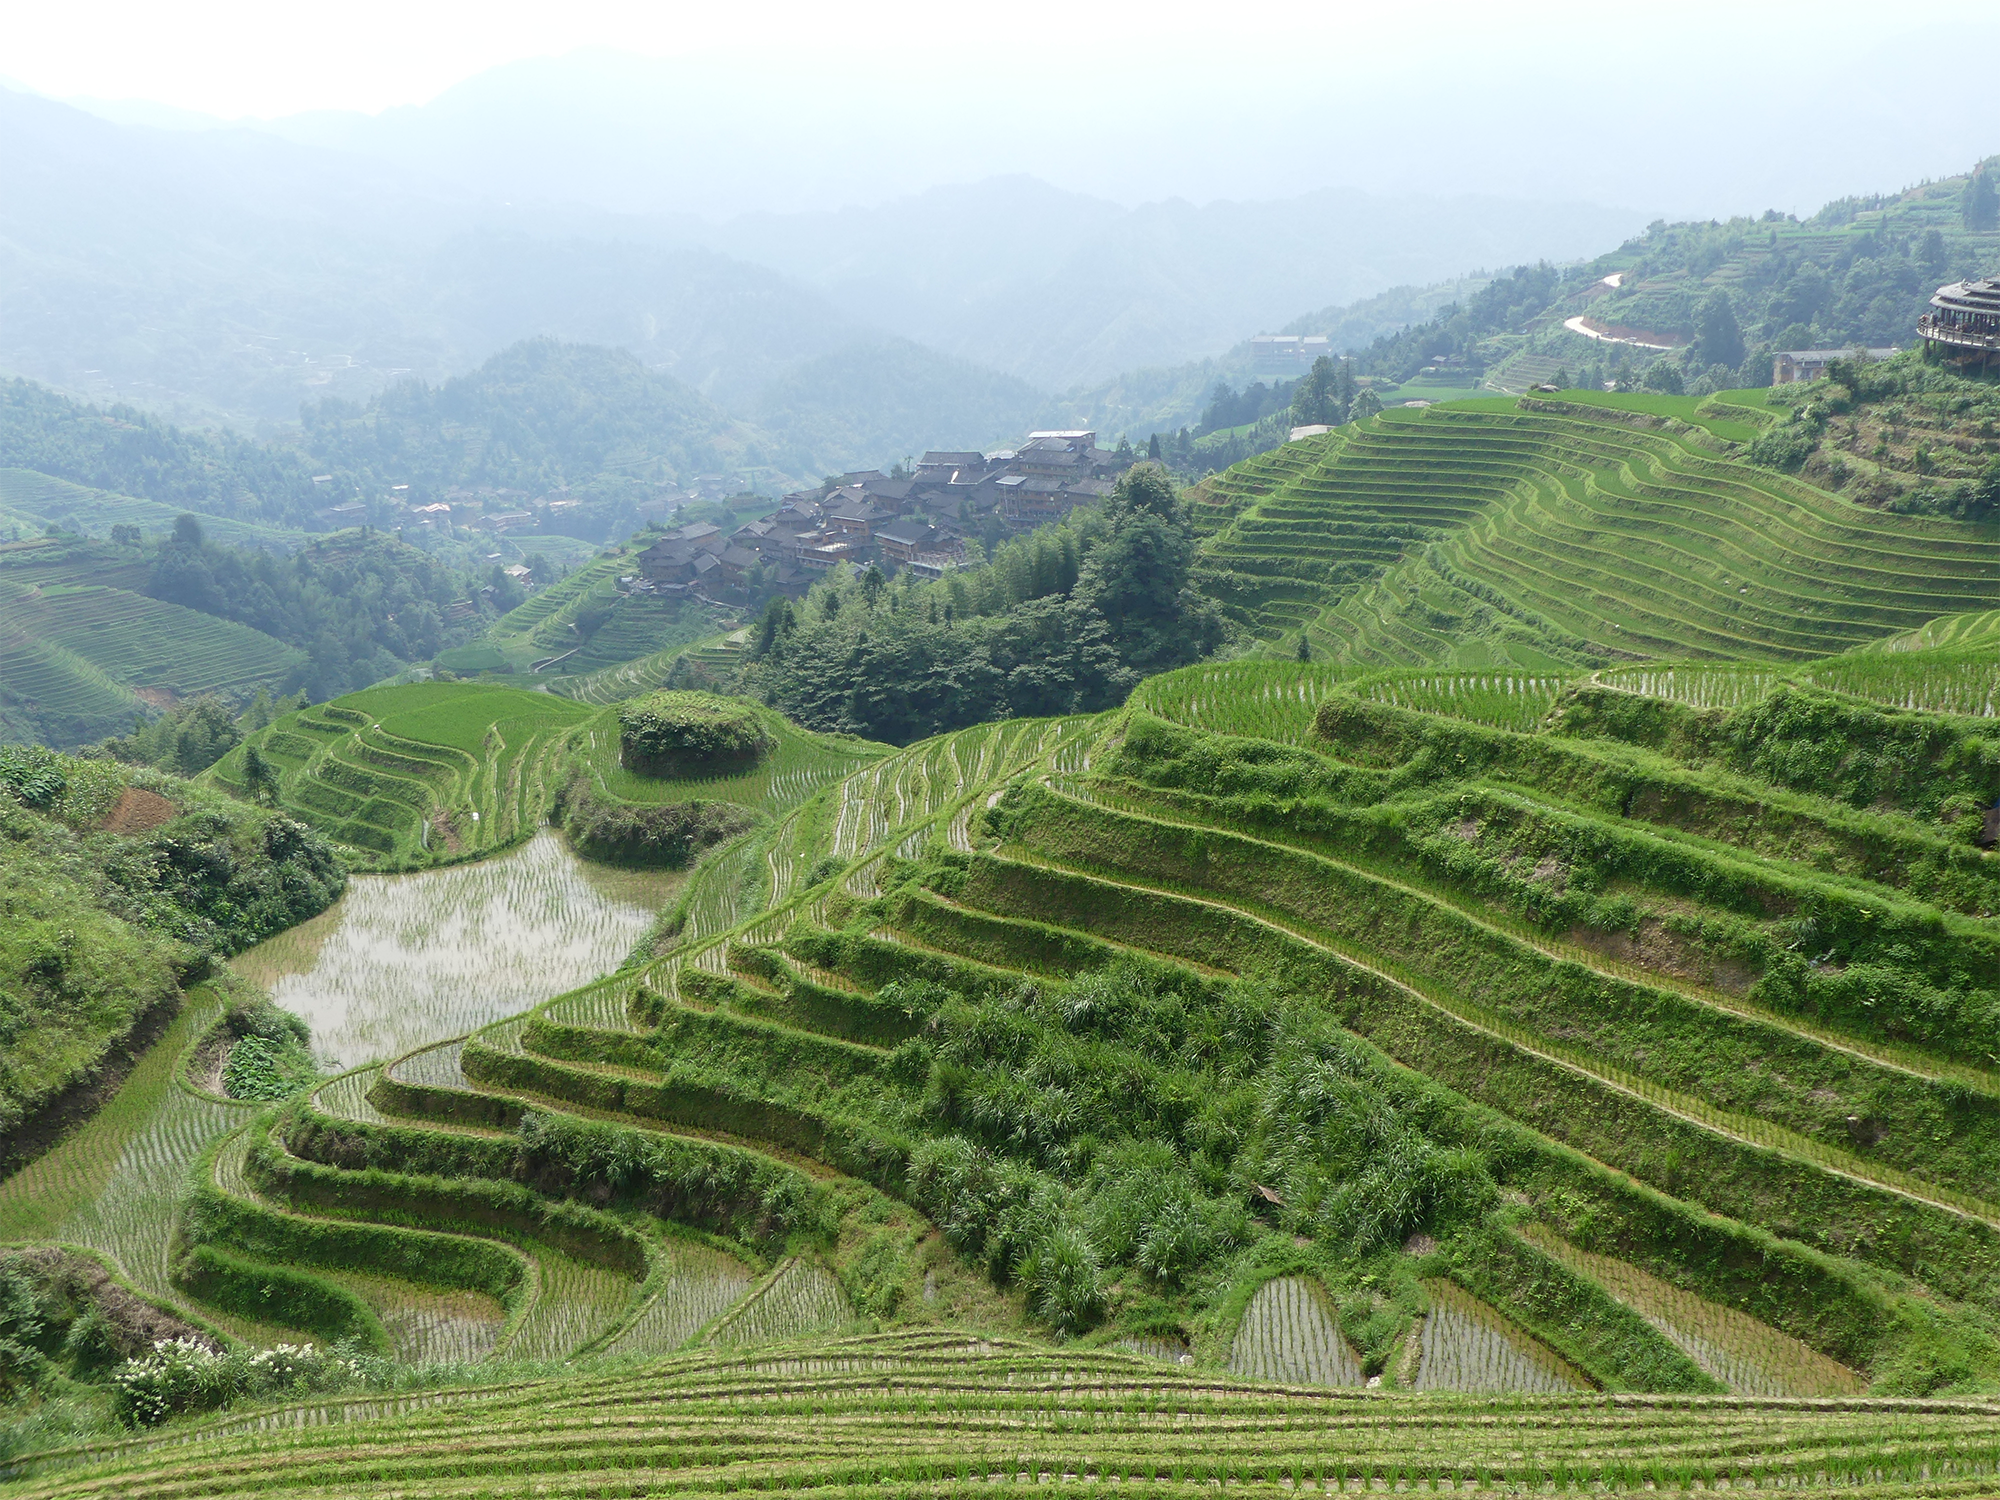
(1729,685)
(1505,700)
(800,1297)
(1468,1346)
(346,1097)
(699,1286)
(1170,1351)
(574,1305)
(1748,1356)
(1268,700)
(117,1184)
(436,1066)
(406,959)
(424,1326)
(1289,1333)
(937,1415)
(1955,683)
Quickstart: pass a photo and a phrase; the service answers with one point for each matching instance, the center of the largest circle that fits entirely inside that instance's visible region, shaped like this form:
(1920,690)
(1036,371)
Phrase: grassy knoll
(1571,531)
(799,764)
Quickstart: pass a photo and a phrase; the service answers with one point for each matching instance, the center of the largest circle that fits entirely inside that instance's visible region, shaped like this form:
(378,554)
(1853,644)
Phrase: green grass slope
(1569,532)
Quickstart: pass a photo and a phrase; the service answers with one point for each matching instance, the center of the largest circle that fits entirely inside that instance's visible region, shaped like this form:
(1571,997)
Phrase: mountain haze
(227,275)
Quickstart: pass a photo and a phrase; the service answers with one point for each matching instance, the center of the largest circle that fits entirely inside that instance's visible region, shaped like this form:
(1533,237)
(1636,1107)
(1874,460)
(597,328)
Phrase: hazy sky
(252,57)
(1700,107)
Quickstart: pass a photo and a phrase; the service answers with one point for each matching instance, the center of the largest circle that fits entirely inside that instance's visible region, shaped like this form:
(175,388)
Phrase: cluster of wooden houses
(918,520)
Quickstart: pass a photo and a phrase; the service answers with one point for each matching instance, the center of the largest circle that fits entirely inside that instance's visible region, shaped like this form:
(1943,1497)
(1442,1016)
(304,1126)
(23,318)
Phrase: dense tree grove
(537,417)
(361,605)
(1501,305)
(1063,621)
(1228,407)
(122,449)
(1325,394)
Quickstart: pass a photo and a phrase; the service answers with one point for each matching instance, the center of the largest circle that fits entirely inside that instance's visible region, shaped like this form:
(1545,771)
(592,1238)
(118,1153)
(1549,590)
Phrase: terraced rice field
(117,1184)
(47,498)
(1742,1353)
(420,774)
(1506,700)
(575,1305)
(614,684)
(1267,700)
(1468,1346)
(405,959)
(944,1415)
(700,1285)
(800,1297)
(1290,1334)
(76,652)
(428,1327)
(1737,1200)
(1482,533)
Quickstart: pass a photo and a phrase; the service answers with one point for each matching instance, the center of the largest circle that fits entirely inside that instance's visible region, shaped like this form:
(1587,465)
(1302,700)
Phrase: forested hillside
(1716,299)
(536,416)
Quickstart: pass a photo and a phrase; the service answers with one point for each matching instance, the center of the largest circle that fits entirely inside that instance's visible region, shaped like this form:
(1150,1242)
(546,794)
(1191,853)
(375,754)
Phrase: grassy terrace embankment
(1541,533)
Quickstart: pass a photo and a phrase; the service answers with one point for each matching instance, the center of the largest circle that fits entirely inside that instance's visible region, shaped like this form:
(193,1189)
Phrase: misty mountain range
(228,274)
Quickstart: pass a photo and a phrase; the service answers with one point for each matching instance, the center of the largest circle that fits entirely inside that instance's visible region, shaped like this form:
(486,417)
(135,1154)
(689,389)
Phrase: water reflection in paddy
(405,959)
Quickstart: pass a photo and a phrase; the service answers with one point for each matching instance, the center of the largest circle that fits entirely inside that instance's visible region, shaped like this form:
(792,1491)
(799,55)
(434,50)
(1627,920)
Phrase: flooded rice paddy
(1468,1346)
(1289,1333)
(401,960)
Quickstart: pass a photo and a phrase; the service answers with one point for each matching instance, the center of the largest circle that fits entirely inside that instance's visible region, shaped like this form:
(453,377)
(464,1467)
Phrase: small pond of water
(401,960)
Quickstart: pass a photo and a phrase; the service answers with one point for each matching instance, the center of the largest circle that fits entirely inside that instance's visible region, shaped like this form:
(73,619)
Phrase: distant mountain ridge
(228,275)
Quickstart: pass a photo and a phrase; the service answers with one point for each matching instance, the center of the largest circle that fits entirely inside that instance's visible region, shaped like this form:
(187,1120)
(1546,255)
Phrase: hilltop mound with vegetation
(682,734)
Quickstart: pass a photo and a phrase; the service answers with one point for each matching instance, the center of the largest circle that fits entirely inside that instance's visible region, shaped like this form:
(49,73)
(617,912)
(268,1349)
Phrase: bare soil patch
(137,811)
(1663,951)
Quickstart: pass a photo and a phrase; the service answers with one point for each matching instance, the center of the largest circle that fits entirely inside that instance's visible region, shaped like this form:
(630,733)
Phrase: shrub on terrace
(689,734)
(663,835)
(1019,1086)
(185,1375)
